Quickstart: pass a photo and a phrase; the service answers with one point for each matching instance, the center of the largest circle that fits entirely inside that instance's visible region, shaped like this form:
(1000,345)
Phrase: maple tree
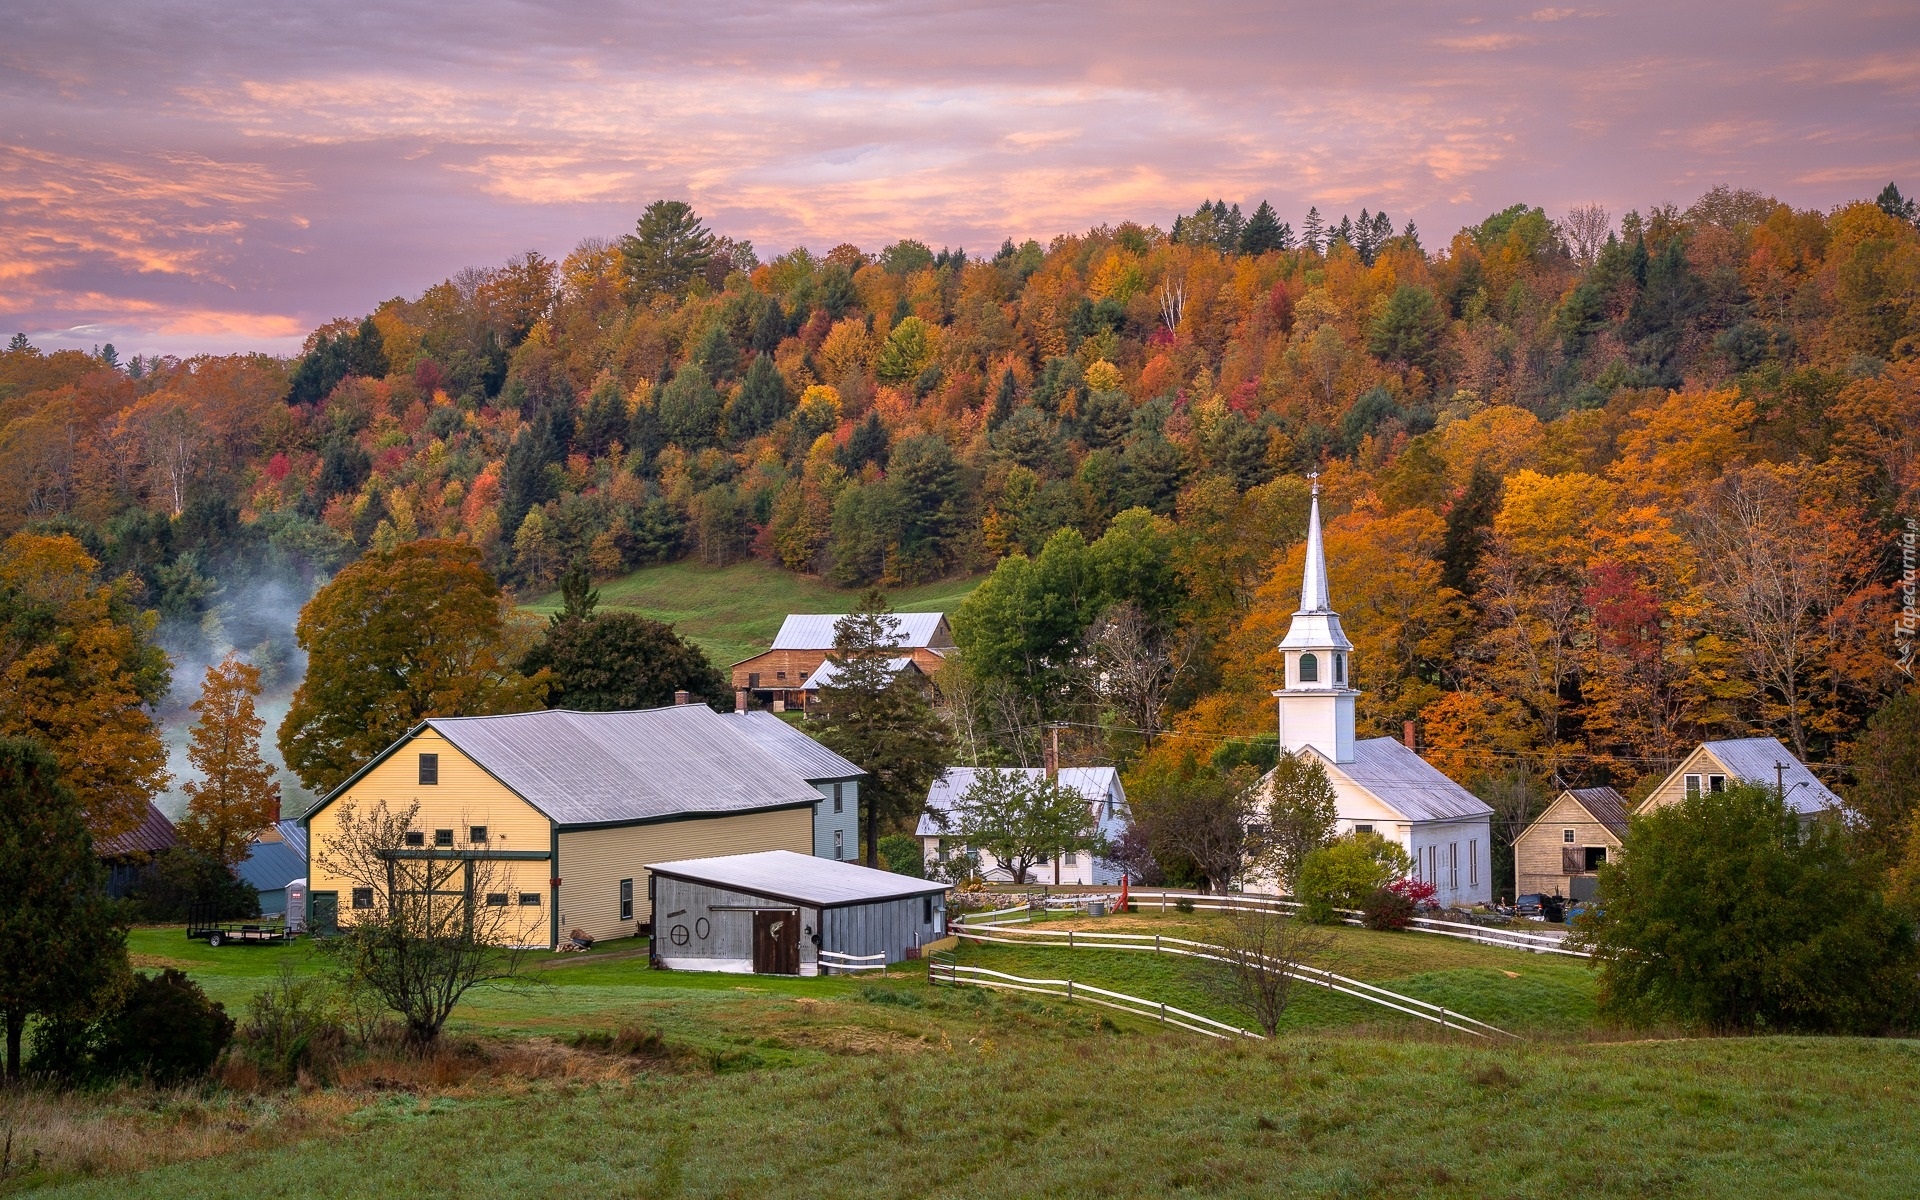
(238,793)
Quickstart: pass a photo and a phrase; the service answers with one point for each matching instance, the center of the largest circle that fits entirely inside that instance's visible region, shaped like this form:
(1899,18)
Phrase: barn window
(416,838)
(839,843)
(1716,783)
(1566,835)
(363,897)
(1595,856)
(1693,786)
(753,679)
(530,899)
(477,834)
(443,837)
(626,899)
(496,899)
(926,910)
(779,674)
(429,769)
(1309,669)
(839,800)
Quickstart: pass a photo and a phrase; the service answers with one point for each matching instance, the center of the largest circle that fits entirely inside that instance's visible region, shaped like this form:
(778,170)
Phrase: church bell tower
(1316,703)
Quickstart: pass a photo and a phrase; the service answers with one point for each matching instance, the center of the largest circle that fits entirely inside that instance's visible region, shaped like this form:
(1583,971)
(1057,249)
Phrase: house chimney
(739,699)
(1051,752)
(682,697)
(1407,735)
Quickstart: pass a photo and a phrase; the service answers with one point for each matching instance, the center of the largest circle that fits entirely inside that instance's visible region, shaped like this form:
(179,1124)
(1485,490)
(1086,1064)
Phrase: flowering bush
(1394,906)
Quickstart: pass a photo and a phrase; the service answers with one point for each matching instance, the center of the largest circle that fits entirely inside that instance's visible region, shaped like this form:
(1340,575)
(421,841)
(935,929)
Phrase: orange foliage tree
(237,794)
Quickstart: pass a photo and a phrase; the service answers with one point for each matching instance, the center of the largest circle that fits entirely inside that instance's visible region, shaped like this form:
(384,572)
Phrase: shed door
(323,912)
(776,943)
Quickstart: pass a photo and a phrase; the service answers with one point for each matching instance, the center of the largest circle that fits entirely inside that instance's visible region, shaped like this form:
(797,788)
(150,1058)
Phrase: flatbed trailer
(256,932)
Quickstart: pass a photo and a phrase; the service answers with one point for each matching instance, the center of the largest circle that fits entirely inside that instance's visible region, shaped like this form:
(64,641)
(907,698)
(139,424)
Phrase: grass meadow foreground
(603,1075)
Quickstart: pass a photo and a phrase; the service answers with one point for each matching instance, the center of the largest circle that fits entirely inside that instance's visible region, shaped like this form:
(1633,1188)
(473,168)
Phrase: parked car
(1528,905)
(1537,906)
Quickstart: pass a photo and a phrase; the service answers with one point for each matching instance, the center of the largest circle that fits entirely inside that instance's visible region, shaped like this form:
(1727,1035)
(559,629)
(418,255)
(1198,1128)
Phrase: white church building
(1380,784)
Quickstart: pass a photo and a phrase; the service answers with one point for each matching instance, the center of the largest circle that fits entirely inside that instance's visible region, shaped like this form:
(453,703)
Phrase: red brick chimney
(683,697)
(1407,735)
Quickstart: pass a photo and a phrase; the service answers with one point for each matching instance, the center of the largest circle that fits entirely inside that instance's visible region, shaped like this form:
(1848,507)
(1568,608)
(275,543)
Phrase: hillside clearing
(733,612)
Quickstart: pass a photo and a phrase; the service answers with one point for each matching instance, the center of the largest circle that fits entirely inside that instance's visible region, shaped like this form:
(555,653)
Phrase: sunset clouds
(177,177)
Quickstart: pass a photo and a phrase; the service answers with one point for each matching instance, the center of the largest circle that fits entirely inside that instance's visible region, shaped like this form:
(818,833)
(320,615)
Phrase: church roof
(1407,783)
(1316,626)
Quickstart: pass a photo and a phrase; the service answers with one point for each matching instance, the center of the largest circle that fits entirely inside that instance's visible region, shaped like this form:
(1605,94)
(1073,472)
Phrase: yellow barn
(566,807)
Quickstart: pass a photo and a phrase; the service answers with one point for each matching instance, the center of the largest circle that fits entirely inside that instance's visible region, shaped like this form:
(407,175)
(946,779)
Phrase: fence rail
(1160,944)
(835,960)
(1510,939)
(1085,993)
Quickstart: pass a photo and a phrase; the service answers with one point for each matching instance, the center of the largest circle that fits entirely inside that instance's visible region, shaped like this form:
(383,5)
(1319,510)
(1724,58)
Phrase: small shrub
(1346,873)
(165,1029)
(1386,909)
(291,1027)
(903,855)
(1183,905)
(894,996)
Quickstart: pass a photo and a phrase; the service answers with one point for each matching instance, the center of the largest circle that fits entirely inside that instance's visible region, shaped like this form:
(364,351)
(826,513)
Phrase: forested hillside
(1595,488)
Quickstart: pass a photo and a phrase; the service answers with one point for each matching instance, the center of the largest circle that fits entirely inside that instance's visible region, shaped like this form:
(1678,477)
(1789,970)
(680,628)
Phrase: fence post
(1156,943)
(1163,1012)
(1069,989)
(1069,939)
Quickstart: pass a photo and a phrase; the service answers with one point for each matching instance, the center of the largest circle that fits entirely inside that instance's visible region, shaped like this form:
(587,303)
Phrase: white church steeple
(1316,705)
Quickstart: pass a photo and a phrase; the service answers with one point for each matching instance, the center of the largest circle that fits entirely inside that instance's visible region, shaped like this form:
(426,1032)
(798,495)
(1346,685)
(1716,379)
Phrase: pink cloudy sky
(181,177)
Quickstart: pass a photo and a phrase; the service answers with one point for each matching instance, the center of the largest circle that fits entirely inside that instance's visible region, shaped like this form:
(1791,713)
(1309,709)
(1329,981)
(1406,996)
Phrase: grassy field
(733,612)
(891,1088)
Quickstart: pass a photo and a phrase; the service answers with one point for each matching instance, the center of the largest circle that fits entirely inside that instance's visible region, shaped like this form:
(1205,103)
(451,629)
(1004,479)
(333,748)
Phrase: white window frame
(1716,784)
(1693,786)
(1473,862)
(840,844)
(1566,836)
(1453,866)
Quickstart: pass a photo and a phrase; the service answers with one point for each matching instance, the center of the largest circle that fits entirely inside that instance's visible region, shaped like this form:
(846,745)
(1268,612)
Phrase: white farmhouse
(1381,785)
(1104,795)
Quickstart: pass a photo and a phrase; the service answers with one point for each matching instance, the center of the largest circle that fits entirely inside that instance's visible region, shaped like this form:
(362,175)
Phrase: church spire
(1313,585)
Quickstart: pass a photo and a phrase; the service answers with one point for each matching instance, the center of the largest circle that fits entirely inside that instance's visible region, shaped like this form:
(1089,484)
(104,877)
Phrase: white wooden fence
(1160,944)
(833,960)
(1085,993)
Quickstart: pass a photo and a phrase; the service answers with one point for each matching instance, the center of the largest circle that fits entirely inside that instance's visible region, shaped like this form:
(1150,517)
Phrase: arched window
(1339,668)
(1309,669)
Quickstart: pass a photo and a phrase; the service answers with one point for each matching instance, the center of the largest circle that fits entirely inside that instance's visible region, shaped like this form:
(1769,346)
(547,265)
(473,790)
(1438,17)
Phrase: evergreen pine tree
(770,330)
(1262,232)
(1005,400)
(1312,231)
(880,720)
(1469,527)
(762,401)
(867,444)
(605,422)
(19,344)
(717,356)
(1897,206)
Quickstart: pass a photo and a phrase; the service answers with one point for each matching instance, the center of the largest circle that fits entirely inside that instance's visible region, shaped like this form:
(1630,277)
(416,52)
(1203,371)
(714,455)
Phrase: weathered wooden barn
(777,913)
(782,677)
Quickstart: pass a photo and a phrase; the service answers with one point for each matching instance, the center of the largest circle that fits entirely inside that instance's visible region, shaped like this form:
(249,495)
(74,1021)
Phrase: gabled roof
(1095,783)
(270,866)
(814,631)
(1606,806)
(153,834)
(1753,760)
(829,673)
(798,878)
(1407,783)
(618,767)
(809,759)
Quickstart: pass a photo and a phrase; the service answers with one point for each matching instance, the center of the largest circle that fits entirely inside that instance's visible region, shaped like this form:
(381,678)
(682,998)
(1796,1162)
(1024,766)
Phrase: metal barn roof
(814,631)
(605,768)
(153,834)
(1095,783)
(829,673)
(799,878)
(270,866)
(1753,760)
(1607,806)
(809,759)
(1407,783)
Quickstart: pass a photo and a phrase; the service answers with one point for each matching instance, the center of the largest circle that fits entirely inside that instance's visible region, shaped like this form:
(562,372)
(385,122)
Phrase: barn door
(776,943)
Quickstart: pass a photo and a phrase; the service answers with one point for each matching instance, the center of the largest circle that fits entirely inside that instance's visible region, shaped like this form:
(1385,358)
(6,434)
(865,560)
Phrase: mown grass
(733,612)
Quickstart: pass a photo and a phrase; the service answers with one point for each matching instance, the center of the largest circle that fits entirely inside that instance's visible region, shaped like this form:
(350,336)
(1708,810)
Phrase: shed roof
(814,631)
(1095,783)
(153,834)
(799,878)
(1407,783)
(608,768)
(1607,806)
(809,759)
(270,866)
(1753,760)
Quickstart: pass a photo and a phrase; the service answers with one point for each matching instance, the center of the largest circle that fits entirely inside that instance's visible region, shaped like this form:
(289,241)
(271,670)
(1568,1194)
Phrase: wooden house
(132,856)
(1106,800)
(1760,762)
(779,678)
(776,912)
(568,807)
(1560,853)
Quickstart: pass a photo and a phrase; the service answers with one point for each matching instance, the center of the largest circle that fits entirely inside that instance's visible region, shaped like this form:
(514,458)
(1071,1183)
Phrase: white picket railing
(1086,993)
(1159,944)
(836,961)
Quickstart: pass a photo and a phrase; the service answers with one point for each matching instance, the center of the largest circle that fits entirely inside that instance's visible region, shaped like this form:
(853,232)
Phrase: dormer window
(1309,668)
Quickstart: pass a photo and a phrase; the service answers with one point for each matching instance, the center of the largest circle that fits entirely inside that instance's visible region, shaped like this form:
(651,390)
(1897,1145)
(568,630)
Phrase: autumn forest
(1597,486)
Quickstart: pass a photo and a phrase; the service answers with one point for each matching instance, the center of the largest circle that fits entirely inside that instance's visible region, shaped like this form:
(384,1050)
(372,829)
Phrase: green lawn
(891,1088)
(733,612)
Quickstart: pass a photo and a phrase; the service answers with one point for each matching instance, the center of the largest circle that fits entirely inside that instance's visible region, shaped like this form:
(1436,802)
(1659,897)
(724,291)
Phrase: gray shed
(776,912)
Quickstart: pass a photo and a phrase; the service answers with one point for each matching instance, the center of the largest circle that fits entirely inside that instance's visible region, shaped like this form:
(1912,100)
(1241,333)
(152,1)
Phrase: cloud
(186,182)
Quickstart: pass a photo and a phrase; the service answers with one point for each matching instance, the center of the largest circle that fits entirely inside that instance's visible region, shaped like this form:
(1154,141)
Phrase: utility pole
(1780,780)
